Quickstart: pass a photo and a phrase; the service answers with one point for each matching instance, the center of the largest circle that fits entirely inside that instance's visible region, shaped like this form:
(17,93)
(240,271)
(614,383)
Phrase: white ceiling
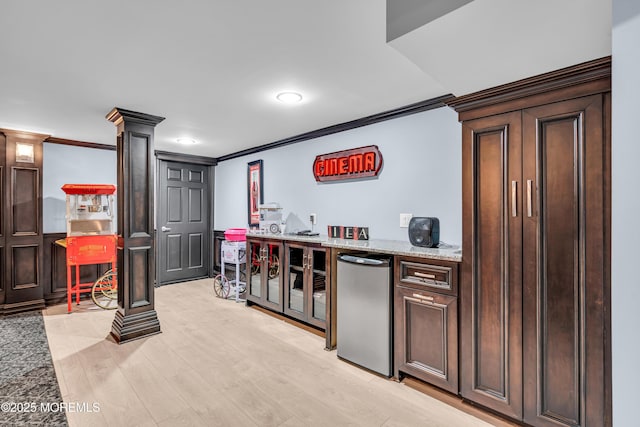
(213,67)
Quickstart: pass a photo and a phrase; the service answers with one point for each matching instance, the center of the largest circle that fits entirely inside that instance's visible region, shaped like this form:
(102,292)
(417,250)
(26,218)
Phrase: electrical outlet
(404,220)
(313,219)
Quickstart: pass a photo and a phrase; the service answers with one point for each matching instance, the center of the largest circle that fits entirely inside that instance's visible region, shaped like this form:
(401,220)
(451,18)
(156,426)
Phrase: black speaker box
(424,231)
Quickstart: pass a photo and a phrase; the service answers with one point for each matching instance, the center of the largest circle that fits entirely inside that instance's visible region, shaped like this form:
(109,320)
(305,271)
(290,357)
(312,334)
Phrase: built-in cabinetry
(264,261)
(21,236)
(306,283)
(289,277)
(426,321)
(535,272)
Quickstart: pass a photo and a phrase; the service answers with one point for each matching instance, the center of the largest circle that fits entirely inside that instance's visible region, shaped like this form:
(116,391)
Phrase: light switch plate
(404,219)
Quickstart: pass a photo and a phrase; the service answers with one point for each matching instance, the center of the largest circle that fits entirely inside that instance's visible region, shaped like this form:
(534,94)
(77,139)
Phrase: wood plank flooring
(220,363)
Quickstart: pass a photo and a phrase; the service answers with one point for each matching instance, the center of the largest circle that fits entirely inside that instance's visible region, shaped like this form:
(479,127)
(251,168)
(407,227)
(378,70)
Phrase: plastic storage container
(235,234)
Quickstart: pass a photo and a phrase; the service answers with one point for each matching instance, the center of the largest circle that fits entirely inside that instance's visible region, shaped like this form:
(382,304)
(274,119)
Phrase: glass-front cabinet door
(306,283)
(272,276)
(296,277)
(254,267)
(317,297)
(265,280)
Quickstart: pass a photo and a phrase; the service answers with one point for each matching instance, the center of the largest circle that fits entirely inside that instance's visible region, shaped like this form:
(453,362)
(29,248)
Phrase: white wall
(421,175)
(67,164)
(625,283)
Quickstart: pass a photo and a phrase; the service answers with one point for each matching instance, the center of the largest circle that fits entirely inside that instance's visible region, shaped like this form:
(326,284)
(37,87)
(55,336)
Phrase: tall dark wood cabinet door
(183,222)
(3,207)
(563,273)
(491,293)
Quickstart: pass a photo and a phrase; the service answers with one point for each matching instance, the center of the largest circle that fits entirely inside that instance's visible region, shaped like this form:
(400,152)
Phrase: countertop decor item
(349,233)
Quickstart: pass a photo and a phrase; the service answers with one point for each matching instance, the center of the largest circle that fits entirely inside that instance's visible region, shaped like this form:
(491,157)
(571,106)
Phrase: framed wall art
(255,196)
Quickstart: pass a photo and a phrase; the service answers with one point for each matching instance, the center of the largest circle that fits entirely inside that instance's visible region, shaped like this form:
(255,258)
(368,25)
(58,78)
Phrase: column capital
(119,115)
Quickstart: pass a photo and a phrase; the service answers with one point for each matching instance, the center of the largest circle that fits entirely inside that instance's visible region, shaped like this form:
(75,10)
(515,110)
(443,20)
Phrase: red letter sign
(363,162)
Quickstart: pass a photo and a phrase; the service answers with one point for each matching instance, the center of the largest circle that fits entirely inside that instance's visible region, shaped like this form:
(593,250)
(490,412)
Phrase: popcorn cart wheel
(104,291)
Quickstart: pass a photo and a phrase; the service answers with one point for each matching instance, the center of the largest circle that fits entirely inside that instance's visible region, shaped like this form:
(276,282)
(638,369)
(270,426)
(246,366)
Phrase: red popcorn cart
(91,240)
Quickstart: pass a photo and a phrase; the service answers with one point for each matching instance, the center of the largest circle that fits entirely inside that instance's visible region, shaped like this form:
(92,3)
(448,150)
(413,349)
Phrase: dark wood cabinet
(264,261)
(563,273)
(21,236)
(305,282)
(289,277)
(218,237)
(534,282)
(491,294)
(426,321)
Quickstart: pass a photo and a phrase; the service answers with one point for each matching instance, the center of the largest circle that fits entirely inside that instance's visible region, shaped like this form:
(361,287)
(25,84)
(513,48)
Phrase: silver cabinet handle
(514,198)
(304,262)
(425,275)
(529,200)
(165,228)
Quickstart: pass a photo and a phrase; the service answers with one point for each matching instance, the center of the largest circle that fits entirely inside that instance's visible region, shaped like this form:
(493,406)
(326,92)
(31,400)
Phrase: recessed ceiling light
(186,141)
(289,97)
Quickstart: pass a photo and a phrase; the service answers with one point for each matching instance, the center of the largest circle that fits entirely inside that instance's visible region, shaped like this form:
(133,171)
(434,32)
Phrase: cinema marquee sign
(363,162)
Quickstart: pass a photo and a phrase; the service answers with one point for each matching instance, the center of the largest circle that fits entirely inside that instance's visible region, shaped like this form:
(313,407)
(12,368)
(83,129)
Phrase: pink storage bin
(235,234)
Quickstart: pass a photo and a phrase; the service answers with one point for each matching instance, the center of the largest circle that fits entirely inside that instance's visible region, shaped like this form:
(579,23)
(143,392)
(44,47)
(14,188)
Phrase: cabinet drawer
(440,278)
(426,337)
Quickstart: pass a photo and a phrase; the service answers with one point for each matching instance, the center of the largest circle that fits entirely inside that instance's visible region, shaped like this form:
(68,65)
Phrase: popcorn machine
(91,240)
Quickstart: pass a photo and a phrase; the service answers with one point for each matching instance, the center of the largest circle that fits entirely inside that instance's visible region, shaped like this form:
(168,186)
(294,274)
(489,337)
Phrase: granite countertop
(289,237)
(392,247)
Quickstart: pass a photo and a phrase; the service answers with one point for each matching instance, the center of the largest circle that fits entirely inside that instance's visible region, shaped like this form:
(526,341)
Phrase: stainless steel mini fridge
(364,305)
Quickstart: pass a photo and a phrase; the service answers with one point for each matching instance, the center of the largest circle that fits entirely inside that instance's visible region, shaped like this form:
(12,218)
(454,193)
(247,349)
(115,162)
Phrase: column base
(131,327)
(22,306)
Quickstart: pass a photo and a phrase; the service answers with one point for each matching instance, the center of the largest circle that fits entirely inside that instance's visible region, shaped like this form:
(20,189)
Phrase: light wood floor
(221,363)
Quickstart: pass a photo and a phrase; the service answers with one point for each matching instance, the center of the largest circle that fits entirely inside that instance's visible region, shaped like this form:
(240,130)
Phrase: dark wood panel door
(183,222)
(491,289)
(21,286)
(563,274)
(426,336)
(4,203)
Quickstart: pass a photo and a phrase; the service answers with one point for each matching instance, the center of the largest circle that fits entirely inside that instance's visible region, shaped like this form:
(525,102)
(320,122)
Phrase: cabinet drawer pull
(423,297)
(424,275)
(304,262)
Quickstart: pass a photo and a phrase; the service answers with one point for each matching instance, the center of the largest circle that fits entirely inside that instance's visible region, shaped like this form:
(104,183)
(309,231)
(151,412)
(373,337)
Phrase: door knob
(165,228)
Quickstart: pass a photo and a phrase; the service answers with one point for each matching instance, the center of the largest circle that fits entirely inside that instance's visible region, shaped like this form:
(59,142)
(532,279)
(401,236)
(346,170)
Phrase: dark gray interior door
(183,221)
